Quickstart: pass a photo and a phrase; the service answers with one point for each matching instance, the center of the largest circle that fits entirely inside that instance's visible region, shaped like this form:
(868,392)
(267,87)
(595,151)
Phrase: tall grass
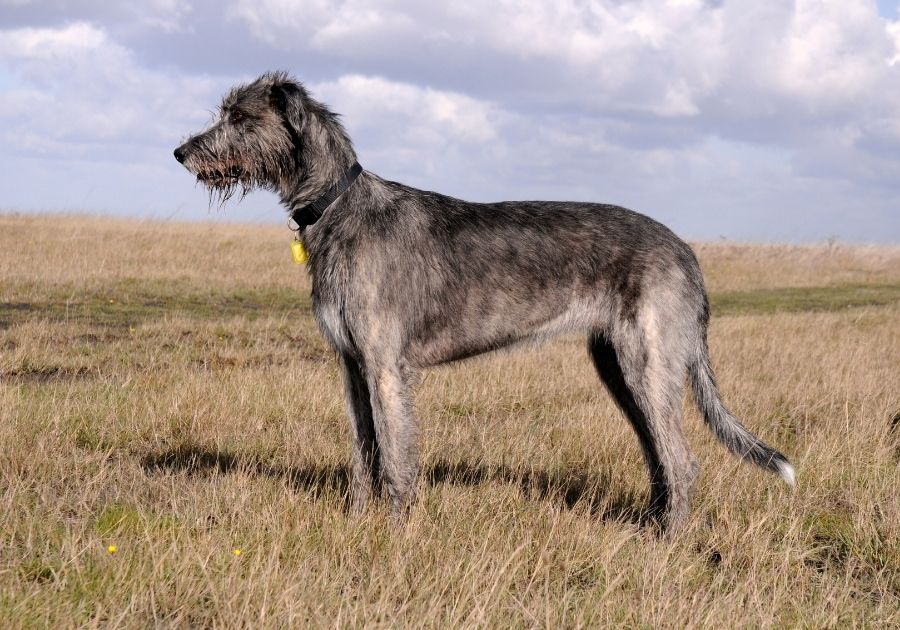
(163,389)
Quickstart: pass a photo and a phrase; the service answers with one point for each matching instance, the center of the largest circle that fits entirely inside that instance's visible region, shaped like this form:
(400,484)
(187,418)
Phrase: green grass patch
(130,302)
(800,299)
(118,519)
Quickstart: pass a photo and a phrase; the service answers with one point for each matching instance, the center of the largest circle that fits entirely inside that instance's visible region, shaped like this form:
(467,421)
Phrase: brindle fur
(404,279)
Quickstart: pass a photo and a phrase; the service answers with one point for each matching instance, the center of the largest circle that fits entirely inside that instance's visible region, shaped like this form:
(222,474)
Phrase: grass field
(163,389)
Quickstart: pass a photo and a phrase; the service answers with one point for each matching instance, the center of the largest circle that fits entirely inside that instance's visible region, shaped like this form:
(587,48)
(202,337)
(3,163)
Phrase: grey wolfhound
(404,279)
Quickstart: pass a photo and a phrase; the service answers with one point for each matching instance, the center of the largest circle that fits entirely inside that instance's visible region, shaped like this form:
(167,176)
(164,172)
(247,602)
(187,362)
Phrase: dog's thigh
(651,401)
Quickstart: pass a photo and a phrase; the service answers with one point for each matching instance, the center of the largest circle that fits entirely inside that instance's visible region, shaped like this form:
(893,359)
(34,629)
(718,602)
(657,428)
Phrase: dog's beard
(222,186)
(224,179)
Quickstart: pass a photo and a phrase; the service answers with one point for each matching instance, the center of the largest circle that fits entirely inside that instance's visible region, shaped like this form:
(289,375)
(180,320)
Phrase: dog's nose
(180,155)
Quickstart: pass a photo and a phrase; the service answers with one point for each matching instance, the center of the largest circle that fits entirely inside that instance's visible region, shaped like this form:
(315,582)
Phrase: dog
(404,279)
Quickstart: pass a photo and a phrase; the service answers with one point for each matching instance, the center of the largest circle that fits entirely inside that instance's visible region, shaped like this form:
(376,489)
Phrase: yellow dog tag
(298,252)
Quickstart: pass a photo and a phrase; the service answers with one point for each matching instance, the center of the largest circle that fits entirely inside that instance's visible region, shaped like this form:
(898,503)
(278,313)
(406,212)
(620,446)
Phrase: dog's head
(267,134)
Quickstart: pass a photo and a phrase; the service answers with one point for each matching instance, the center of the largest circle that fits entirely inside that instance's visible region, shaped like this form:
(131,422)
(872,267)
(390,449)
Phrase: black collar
(310,213)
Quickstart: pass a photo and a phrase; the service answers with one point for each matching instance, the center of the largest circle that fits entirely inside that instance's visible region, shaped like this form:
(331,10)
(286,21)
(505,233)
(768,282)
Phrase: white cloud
(47,44)
(893,30)
(414,130)
(475,147)
(166,15)
(670,59)
(321,23)
(421,110)
(79,89)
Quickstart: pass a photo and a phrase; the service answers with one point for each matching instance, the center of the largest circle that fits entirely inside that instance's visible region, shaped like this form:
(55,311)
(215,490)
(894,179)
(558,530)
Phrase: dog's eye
(237,117)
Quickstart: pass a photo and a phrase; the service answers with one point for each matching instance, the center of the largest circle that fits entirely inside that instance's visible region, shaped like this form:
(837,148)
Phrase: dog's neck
(308,214)
(323,158)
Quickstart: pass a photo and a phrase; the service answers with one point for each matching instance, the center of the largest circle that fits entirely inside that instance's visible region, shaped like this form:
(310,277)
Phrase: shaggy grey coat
(404,279)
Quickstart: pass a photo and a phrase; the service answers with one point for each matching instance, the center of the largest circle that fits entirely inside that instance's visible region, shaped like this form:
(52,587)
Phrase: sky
(735,119)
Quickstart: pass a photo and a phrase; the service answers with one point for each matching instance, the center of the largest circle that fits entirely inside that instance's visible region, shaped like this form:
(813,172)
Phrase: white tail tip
(787,473)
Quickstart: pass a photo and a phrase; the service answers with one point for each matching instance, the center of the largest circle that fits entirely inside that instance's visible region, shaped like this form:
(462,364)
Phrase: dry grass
(164,389)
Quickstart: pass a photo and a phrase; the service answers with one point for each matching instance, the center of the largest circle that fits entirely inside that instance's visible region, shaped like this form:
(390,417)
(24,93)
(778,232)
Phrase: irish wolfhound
(404,279)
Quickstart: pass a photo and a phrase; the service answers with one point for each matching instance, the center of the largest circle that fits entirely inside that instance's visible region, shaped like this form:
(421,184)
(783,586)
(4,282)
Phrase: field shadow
(316,479)
(567,488)
(42,375)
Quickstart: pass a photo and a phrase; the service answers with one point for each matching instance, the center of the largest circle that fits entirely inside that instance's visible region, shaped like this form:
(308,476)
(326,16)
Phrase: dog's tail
(725,426)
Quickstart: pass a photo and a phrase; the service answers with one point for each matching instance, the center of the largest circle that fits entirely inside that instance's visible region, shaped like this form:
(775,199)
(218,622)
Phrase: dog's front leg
(365,459)
(395,428)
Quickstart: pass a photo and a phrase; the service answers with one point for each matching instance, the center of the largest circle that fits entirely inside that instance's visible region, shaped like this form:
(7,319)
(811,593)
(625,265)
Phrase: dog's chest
(332,324)
(329,275)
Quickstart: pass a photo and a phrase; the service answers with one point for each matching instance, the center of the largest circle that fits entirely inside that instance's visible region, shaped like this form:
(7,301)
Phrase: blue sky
(776,121)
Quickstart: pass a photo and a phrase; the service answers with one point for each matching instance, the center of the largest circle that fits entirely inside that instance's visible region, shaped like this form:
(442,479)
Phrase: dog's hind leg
(395,428)
(651,401)
(365,472)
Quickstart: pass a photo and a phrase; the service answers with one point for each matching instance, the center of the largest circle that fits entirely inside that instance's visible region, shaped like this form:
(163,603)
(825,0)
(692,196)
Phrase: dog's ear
(287,98)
